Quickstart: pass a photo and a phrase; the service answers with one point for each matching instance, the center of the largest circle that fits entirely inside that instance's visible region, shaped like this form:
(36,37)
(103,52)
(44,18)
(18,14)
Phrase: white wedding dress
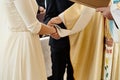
(22,57)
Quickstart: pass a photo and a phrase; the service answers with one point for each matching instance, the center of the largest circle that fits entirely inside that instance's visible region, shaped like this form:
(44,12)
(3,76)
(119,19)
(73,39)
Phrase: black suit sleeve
(51,10)
(41,3)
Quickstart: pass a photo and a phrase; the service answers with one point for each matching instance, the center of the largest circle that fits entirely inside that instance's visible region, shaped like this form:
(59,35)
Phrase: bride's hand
(55,20)
(55,35)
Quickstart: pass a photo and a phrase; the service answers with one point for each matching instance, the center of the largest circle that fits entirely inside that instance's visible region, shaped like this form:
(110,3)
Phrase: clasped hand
(51,23)
(105,12)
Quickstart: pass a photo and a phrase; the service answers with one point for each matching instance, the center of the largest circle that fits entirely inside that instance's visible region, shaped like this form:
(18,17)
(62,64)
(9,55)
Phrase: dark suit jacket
(41,3)
(54,8)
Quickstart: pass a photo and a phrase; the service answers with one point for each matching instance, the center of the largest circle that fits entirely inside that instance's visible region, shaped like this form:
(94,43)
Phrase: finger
(100,9)
(110,17)
(53,21)
(50,23)
(56,20)
(56,36)
(50,26)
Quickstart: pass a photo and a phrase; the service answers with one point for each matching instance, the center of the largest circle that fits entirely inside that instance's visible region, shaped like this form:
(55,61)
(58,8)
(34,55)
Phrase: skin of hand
(45,29)
(42,10)
(51,23)
(105,12)
(55,20)
(55,35)
(109,42)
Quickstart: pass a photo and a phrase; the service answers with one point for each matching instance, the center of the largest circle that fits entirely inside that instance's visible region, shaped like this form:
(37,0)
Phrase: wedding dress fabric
(22,57)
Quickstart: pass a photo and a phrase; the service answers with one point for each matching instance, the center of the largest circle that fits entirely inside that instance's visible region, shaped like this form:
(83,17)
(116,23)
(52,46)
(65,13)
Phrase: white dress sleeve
(27,11)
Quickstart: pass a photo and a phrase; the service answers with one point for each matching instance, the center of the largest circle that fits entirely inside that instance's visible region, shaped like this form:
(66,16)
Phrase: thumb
(100,9)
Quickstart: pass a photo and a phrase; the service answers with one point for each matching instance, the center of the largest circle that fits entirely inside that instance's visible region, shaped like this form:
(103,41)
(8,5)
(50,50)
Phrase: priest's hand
(109,42)
(55,20)
(105,12)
